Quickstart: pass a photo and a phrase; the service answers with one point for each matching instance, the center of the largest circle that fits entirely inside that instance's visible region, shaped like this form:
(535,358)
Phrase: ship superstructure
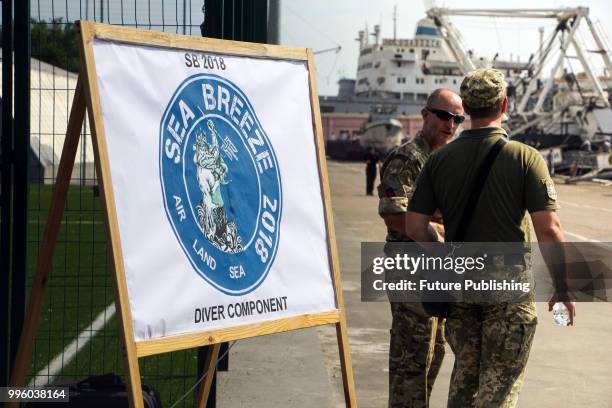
(546,96)
(394,68)
(394,78)
(410,69)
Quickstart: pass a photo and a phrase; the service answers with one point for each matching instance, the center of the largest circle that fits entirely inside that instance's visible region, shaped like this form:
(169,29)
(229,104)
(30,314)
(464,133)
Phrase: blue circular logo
(221,183)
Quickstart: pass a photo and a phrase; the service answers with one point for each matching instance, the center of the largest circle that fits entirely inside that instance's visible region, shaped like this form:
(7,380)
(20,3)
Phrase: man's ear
(424,113)
(504,107)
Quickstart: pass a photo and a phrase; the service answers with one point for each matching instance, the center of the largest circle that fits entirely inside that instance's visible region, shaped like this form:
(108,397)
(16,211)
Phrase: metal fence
(77,336)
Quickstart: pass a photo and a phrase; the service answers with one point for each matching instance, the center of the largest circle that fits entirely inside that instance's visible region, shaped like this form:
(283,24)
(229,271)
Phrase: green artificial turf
(79,289)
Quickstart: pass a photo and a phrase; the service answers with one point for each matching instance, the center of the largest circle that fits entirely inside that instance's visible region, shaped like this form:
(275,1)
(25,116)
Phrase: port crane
(535,102)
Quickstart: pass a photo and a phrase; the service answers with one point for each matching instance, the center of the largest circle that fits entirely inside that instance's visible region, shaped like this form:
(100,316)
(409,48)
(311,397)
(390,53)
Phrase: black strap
(476,189)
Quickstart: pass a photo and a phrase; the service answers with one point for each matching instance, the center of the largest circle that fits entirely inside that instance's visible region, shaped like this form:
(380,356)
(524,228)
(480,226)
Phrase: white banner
(216,186)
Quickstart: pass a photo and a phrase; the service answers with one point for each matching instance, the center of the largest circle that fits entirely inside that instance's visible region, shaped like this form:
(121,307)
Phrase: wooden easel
(87,98)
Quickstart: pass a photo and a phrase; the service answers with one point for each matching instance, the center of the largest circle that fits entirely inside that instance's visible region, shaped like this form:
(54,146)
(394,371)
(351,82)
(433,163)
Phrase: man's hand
(394,221)
(417,227)
(571,308)
(439,227)
(548,229)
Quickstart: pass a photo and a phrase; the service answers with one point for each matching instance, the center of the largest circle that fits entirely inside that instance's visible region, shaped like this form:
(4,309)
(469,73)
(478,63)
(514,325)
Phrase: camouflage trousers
(415,356)
(491,344)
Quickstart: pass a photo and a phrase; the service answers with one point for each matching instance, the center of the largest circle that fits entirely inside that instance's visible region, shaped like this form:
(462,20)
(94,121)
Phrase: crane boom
(336,49)
(531,95)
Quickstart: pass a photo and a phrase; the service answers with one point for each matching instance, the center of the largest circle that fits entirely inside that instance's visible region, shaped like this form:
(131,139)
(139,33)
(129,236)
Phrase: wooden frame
(87,98)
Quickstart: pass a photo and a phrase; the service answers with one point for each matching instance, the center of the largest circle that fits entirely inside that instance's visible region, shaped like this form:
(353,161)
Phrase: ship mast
(395,22)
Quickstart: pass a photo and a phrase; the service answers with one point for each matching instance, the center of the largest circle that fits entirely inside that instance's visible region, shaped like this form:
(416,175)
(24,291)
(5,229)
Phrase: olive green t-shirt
(517,183)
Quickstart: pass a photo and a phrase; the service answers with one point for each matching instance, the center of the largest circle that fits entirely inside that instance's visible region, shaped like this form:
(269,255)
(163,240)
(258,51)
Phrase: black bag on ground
(101,391)
(441,309)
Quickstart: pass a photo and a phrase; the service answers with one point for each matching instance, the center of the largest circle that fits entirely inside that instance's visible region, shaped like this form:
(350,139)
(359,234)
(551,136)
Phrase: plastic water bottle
(561,314)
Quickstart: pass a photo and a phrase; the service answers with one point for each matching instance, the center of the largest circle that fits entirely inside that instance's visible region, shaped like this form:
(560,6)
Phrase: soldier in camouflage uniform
(417,341)
(491,341)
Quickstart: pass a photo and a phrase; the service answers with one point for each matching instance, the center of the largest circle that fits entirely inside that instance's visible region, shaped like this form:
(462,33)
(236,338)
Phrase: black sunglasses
(444,115)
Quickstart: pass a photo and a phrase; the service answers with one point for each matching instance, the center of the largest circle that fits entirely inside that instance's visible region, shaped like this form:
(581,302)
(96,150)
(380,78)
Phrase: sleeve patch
(550,189)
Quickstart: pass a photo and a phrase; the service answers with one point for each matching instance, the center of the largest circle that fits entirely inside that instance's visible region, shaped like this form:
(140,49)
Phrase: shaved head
(436,131)
(442,95)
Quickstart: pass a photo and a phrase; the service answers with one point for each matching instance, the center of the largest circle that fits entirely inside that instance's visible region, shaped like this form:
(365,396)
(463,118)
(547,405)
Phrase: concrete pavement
(568,367)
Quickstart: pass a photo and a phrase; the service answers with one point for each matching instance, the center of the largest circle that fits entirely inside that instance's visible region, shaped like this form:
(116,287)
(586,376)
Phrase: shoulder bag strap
(476,189)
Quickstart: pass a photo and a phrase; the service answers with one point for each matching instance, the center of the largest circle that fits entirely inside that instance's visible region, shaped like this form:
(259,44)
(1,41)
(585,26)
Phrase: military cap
(483,88)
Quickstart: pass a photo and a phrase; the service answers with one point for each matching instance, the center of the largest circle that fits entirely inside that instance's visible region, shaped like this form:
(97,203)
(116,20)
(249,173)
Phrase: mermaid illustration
(211,173)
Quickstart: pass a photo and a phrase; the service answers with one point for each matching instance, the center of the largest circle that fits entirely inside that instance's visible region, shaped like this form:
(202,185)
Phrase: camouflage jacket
(398,177)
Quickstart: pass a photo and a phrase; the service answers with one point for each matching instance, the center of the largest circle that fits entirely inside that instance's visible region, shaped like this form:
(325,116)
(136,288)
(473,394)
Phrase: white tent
(51,94)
